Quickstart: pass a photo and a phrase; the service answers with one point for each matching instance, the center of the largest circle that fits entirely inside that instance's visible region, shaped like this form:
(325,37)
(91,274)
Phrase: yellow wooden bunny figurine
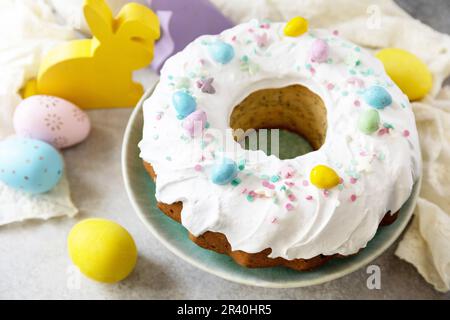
(96,73)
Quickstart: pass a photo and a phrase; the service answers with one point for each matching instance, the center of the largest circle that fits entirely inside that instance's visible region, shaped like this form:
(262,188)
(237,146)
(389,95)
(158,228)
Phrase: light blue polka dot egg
(377,97)
(30,165)
(184,103)
(221,52)
(224,171)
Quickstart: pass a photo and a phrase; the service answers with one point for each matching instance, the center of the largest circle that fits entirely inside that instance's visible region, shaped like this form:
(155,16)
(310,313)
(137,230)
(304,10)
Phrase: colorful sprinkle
(309,198)
(358,82)
(262,40)
(274,179)
(353,198)
(289,207)
(235,182)
(287,172)
(268,185)
(292,197)
(406,133)
(241,165)
(205,85)
(198,167)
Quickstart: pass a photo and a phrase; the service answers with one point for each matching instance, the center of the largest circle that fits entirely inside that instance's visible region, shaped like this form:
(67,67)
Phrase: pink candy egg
(195,123)
(319,51)
(51,119)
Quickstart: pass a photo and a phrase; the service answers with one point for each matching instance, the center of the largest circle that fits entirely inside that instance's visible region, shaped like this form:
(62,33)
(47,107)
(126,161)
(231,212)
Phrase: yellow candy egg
(324,177)
(296,27)
(103,250)
(410,73)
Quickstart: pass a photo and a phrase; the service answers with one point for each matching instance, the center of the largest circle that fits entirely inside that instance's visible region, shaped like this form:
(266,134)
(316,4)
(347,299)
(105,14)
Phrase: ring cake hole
(294,109)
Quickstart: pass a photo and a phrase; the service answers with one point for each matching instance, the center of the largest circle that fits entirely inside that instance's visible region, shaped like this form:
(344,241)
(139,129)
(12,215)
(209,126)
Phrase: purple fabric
(182,21)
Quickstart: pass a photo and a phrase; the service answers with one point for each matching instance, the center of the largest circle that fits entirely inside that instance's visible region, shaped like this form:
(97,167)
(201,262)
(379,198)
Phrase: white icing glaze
(378,170)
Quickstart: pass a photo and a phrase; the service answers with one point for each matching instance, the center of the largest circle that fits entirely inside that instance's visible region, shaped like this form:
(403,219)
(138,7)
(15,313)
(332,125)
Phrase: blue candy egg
(224,172)
(184,103)
(221,52)
(377,97)
(30,165)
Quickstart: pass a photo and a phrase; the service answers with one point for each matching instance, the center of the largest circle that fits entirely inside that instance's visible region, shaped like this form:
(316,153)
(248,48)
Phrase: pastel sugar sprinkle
(353,198)
(287,172)
(406,133)
(309,197)
(305,183)
(292,197)
(353,180)
(250,198)
(241,165)
(235,182)
(274,179)
(268,185)
(198,167)
(289,207)
(289,183)
(326,193)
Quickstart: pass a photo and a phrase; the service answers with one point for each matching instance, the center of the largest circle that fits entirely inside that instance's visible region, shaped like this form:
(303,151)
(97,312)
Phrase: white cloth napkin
(376,25)
(28,29)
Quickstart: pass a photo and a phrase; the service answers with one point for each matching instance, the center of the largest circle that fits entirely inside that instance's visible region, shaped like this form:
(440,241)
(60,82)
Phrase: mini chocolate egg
(195,123)
(296,27)
(224,171)
(324,177)
(409,72)
(319,51)
(377,97)
(184,103)
(369,121)
(221,52)
(102,249)
(51,119)
(30,165)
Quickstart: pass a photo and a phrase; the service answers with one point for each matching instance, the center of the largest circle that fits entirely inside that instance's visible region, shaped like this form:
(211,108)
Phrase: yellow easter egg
(296,27)
(324,177)
(410,73)
(103,250)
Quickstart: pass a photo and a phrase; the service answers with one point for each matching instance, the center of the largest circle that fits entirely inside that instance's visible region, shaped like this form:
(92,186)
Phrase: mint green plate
(140,189)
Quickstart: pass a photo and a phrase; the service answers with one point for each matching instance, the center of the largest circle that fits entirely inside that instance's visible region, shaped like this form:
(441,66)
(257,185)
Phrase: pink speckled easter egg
(51,119)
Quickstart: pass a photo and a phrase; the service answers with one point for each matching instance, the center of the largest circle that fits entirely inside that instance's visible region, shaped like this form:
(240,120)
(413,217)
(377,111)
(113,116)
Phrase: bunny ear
(138,22)
(99,18)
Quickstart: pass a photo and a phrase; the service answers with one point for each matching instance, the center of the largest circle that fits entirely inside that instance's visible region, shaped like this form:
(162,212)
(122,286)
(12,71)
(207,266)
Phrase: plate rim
(226,275)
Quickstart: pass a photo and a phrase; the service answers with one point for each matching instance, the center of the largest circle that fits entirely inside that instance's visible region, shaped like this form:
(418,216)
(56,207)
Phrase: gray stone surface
(34,262)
